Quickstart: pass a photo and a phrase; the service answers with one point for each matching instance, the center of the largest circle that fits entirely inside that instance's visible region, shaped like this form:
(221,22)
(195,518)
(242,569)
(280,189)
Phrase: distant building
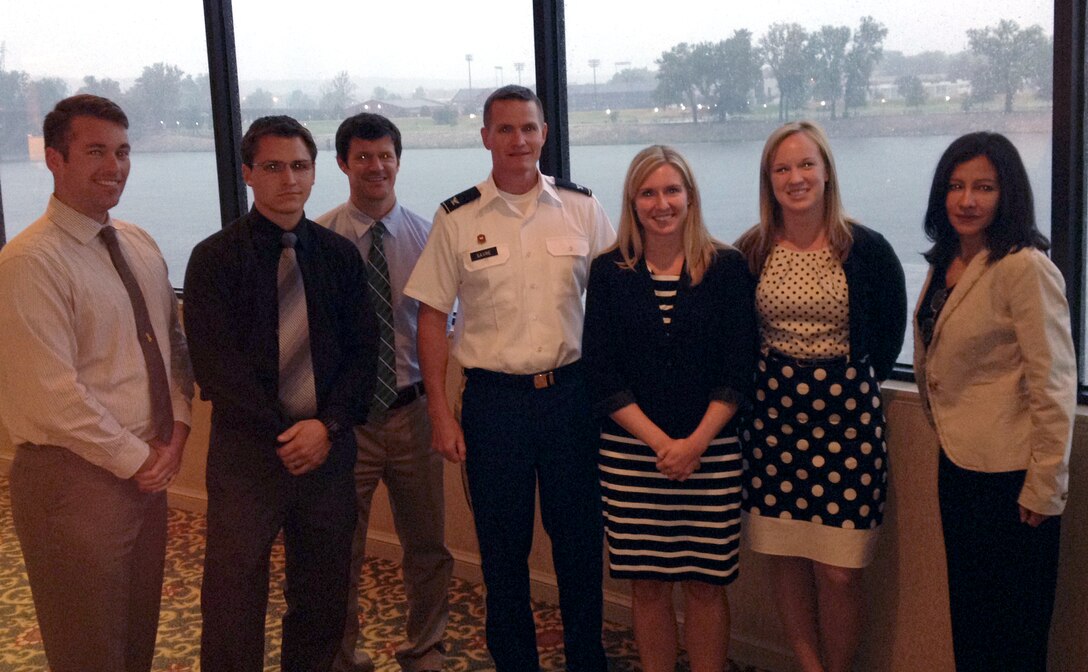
(622,96)
(467,101)
(35,147)
(411,107)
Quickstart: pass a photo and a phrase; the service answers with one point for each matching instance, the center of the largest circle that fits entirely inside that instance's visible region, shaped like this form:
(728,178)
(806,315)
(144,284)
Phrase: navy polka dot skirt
(815,461)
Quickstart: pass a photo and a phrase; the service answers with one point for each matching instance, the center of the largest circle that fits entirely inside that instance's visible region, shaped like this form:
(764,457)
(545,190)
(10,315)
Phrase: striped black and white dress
(666,530)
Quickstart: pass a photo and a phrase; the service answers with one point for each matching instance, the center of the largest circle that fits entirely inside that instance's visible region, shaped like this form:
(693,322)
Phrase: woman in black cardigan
(669,344)
(832,312)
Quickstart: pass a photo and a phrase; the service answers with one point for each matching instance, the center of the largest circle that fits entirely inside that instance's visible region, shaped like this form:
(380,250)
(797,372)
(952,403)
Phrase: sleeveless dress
(815,461)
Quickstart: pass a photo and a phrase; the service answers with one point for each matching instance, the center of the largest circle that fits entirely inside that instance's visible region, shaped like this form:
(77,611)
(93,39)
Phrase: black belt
(407,395)
(771,353)
(528,381)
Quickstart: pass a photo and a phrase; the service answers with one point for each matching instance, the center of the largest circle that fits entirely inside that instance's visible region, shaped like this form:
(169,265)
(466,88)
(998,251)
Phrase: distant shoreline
(869,125)
(466,132)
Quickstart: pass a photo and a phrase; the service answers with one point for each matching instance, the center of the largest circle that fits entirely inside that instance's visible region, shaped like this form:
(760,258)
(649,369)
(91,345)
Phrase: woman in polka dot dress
(831,301)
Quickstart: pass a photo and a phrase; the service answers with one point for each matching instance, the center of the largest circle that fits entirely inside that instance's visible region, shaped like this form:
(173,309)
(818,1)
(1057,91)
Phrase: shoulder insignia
(466,196)
(567,184)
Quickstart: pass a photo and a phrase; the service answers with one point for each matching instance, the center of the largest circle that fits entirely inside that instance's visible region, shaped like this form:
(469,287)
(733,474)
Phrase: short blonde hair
(699,245)
(757,242)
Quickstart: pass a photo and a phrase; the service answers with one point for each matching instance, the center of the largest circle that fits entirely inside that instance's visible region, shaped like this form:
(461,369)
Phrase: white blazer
(999,381)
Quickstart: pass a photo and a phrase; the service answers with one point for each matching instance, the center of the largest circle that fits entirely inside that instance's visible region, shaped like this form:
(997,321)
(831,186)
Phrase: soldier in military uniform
(515,251)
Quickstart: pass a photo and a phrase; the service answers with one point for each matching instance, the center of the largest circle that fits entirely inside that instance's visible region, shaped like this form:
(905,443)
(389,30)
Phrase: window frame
(1068,208)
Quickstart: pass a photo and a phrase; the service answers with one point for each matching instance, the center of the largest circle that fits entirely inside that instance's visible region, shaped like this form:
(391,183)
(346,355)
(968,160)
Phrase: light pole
(519,67)
(468,59)
(595,63)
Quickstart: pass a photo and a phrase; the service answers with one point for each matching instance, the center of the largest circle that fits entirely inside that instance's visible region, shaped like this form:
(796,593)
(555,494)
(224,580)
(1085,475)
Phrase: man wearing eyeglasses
(283,342)
(394,446)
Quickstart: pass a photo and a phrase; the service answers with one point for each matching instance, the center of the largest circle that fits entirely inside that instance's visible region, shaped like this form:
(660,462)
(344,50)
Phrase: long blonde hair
(699,246)
(757,242)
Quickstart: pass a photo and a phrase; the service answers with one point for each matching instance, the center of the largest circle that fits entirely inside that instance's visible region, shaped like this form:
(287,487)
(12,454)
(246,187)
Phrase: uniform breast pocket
(486,281)
(568,255)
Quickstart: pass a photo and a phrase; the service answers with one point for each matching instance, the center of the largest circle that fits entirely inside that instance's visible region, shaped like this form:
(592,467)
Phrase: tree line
(835,66)
(162,98)
(832,64)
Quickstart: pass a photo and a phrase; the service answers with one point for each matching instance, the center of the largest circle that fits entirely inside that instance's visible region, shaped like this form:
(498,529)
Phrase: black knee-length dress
(671,348)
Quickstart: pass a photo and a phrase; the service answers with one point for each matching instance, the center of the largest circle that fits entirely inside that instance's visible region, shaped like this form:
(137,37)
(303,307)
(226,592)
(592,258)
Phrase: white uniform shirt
(403,243)
(519,278)
(71,370)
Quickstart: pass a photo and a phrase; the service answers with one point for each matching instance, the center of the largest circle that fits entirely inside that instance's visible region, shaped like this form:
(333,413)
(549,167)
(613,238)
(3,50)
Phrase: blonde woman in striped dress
(669,345)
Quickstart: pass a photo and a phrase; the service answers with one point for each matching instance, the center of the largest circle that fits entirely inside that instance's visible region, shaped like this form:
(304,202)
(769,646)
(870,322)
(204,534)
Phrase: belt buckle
(543,380)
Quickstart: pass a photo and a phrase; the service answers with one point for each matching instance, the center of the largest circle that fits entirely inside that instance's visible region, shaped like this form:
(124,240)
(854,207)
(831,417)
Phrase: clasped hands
(304,446)
(163,461)
(679,458)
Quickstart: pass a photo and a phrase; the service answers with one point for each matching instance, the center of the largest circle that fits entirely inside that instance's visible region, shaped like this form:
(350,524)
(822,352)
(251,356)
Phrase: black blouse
(707,352)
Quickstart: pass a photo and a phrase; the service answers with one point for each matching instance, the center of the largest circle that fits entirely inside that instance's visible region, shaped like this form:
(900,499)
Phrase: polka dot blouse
(803,304)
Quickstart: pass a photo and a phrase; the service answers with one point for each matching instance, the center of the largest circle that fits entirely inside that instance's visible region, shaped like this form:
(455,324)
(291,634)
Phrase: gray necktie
(297,391)
(162,410)
(385,391)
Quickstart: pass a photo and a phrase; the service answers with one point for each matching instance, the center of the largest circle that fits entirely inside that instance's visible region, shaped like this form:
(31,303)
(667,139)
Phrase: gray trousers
(94,547)
(394,447)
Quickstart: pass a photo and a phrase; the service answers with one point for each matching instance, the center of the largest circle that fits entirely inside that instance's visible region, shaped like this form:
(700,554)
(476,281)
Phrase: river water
(885,183)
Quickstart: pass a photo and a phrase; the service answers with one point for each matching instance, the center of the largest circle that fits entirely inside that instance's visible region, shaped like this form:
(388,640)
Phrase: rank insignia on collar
(567,184)
(466,196)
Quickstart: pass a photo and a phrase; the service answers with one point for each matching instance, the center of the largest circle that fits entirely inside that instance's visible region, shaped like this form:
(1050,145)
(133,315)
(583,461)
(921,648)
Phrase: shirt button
(540,349)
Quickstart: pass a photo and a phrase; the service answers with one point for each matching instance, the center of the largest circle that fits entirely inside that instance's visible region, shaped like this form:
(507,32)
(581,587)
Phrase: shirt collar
(361,223)
(548,190)
(75,223)
(269,232)
(489,191)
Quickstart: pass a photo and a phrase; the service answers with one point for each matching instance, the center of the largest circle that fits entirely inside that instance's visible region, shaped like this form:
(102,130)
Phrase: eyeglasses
(278,167)
(935,305)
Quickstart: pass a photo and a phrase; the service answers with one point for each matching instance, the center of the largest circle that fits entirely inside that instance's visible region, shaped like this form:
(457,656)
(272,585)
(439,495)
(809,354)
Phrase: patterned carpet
(382,615)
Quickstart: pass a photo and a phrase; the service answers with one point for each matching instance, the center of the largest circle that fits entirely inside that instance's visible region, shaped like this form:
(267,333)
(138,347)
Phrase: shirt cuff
(128,461)
(183,409)
(614,402)
(729,395)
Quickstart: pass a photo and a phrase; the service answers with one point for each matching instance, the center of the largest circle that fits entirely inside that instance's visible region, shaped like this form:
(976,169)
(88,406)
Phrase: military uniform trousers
(516,437)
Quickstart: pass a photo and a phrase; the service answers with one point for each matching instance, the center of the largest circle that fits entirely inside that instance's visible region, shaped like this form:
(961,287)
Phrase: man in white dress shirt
(95,390)
(394,446)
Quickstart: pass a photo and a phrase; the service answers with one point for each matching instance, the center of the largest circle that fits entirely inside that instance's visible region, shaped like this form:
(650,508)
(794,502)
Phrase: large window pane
(158,74)
(426,65)
(892,83)
(1083,224)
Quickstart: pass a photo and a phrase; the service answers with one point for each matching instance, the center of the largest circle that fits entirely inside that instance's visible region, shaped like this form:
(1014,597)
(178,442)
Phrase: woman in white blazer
(993,357)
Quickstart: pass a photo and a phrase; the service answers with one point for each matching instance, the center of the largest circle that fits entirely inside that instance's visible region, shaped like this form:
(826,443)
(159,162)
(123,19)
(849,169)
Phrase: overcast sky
(427,40)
